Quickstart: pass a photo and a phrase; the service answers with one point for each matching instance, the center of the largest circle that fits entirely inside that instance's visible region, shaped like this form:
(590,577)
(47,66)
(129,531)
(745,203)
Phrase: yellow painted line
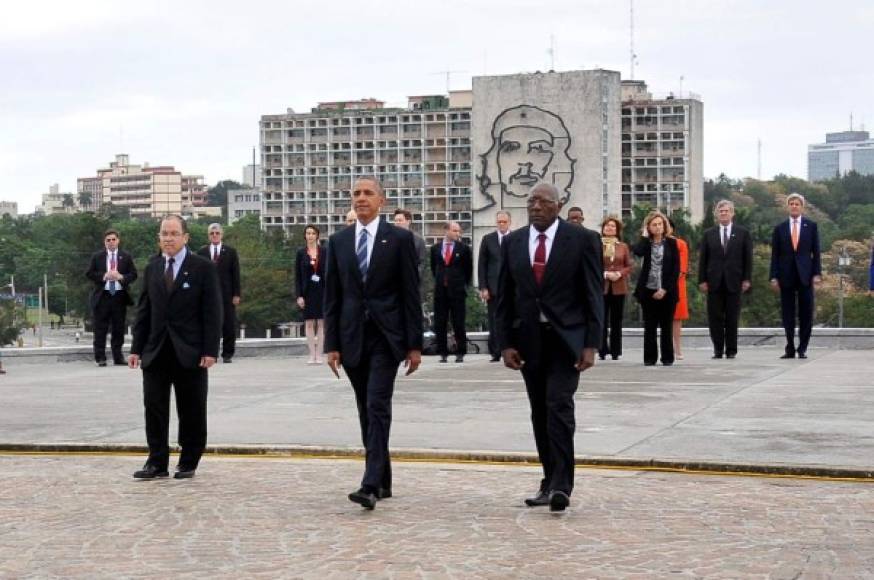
(450,461)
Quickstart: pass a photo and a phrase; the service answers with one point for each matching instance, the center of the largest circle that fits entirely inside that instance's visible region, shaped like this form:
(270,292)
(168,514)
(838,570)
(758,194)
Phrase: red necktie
(447,254)
(215,253)
(539,265)
(112,265)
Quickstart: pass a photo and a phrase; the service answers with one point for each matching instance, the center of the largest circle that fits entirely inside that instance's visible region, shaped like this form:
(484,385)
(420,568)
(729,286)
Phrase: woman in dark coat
(657,287)
(310,275)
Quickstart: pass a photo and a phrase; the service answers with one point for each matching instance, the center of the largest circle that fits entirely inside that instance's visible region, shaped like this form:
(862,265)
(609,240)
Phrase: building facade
(662,151)
(420,153)
(145,191)
(251,175)
(56,202)
(841,153)
(243,202)
(9,208)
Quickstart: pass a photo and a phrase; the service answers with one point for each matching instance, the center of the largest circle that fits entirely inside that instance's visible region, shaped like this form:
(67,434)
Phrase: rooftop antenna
(448,74)
(632,56)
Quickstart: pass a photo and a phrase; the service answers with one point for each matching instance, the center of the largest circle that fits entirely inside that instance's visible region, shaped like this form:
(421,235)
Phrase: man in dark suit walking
(795,269)
(488,268)
(550,318)
(176,339)
(228,266)
(452,267)
(725,271)
(373,321)
(112,271)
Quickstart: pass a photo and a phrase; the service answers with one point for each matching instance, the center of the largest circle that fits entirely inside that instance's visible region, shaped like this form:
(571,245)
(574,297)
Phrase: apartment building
(662,150)
(420,153)
(242,202)
(9,208)
(841,153)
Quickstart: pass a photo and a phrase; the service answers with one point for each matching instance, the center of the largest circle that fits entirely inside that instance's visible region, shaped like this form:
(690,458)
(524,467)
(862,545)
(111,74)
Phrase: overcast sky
(185,82)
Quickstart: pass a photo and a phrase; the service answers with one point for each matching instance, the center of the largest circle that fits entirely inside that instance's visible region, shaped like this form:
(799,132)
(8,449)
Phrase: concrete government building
(607,144)
(841,153)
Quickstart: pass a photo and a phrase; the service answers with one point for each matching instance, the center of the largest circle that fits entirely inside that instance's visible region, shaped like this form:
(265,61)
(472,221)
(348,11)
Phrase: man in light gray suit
(488,268)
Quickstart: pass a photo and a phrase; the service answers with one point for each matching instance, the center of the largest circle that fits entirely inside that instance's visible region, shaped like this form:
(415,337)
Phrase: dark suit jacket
(570,296)
(389,298)
(97,269)
(303,272)
(727,267)
(190,315)
(670,267)
(785,260)
(489,263)
(459,273)
(228,267)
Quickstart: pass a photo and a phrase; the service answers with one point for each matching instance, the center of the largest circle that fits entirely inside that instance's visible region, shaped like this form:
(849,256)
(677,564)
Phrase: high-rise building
(146,191)
(252,175)
(841,153)
(662,151)
(420,153)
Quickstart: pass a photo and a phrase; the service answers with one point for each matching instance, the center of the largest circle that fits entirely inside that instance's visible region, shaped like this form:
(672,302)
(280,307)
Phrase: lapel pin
(384,241)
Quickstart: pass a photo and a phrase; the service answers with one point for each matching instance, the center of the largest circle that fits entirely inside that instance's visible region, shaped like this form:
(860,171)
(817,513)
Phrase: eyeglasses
(215,233)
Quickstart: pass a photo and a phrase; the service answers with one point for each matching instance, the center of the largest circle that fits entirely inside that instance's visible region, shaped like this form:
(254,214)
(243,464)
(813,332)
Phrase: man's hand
(133,361)
(207,361)
(587,359)
(659,294)
(745,285)
(512,360)
(235,300)
(414,359)
(485,295)
(775,285)
(333,360)
(703,286)
(817,280)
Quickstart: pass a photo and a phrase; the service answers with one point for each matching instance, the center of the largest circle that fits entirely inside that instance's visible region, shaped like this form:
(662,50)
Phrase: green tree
(9,327)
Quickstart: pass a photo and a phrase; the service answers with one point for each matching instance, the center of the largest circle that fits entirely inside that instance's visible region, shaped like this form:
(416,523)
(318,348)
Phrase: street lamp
(843,262)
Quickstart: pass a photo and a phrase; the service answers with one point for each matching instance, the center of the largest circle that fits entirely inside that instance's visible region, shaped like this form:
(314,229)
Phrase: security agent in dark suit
(176,339)
(488,268)
(228,266)
(452,268)
(373,321)
(725,271)
(549,317)
(795,269)
(112,271)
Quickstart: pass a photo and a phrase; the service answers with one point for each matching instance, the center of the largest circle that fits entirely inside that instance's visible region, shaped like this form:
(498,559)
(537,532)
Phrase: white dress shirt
(107,285)
(532,240)
(371,235)
(725,233)
(215,250)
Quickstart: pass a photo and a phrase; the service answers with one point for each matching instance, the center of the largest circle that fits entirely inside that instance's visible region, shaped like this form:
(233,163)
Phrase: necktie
(795,235)
(168,274)
(724,237)
(447,253)
(539,265)
(215,253)
(361,253)
(113,288)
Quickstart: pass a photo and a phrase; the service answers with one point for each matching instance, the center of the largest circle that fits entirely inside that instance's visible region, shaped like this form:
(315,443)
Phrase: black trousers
(229,330)
(446,306)
(191,389)
(658,315)
(110,314)
(723,315)
(373,381)
(797,299)
(492,307)
(611,343)
(551,383)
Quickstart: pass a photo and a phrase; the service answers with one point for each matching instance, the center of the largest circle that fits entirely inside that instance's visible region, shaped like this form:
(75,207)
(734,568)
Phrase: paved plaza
(84,517)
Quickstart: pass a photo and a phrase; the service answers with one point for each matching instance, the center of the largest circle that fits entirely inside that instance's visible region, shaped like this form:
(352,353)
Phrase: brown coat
(621,262)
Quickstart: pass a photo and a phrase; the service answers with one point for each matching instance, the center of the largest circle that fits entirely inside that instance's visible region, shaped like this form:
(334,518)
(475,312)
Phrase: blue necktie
(361,253)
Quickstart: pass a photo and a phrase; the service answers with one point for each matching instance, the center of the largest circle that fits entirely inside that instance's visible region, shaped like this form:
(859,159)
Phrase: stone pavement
(84,517)
(756,409)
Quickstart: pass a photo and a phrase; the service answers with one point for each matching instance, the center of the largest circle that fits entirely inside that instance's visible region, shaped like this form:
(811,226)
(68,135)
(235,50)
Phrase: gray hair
(550,188)
(504,213)
(723,203)
(797,196)
(214,226)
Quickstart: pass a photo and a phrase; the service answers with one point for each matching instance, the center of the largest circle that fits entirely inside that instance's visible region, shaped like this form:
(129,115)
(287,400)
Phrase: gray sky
(184,82)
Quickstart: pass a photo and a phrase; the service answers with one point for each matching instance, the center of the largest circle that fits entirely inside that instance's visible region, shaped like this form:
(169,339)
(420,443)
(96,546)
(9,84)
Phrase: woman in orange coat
(682,311)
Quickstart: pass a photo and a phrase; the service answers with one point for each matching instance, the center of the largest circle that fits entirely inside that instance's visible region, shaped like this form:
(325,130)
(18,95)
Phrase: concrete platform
(753,411)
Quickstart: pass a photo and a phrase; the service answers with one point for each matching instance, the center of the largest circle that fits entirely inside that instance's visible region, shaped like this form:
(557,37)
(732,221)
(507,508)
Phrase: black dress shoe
(732,355)
(101,363)
(616,356)
(602,356)
(495,359)
(442,359)
(365,498)
(150,472)
(184,473)
(459,358)
(227,359)
(541,499)
(717,355)
(558,501)
(802,355)
(383,493)
(119,362)
(788,355)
